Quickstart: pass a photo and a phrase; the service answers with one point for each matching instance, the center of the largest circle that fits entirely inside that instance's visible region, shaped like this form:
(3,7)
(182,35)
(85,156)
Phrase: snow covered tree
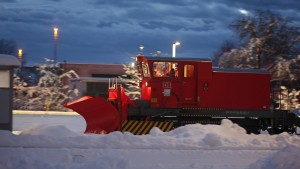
(20,93)
(239,58)
(286,71)
(131,79)
(50,93)
(225,47)
(278,36)
(267,35)
(287,99)
(53,93)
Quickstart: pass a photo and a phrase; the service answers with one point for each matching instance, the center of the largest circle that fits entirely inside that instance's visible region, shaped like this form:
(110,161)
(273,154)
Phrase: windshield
(165,69)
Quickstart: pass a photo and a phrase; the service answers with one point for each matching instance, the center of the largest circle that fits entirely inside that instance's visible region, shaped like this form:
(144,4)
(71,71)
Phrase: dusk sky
(111,31)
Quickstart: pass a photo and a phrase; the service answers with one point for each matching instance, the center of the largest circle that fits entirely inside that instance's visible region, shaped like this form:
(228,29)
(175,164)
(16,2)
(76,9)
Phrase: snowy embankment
(225,146)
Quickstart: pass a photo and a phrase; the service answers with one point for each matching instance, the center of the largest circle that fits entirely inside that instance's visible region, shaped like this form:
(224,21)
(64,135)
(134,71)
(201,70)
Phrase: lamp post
(174,49)
(55,35)
(20,55)
(141,49)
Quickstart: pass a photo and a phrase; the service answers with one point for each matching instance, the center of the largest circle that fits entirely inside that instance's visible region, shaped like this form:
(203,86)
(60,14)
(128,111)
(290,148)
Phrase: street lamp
(141,49)
(174,49)
(55,35)
(20,54)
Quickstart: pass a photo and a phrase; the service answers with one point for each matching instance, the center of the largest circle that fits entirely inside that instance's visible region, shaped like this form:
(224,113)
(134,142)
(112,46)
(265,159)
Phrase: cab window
(165,69)
(145,70)
(188,71)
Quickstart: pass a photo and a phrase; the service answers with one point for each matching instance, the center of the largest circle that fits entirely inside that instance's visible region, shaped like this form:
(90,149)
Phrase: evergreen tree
(131,79)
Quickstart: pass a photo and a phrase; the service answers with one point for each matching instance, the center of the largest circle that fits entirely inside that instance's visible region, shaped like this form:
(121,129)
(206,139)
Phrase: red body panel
(226,89)
(238,90)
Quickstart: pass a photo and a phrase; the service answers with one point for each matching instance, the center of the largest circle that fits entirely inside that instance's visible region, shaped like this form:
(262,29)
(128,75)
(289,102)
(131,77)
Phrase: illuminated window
(188,71)
(145,68)
(165,69)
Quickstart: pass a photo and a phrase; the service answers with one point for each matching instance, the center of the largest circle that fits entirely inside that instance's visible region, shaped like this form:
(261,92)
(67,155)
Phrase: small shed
(7,65)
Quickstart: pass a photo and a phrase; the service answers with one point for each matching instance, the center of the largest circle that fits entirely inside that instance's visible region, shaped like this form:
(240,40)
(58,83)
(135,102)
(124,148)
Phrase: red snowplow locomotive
(180,91)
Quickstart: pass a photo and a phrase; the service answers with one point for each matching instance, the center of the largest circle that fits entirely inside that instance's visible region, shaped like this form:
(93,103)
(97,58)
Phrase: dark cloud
(117,3)
(142,3)
(112,30)
(161,25)
(8,1)
(105,24)
(266,4)
(174,27)
(55,0)
(25,16)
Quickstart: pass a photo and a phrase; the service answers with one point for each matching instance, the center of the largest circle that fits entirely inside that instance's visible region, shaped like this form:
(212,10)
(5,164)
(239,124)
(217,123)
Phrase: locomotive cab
(172,82)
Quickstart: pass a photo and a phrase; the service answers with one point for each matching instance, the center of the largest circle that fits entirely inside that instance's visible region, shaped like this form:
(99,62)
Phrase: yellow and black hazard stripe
(144,127)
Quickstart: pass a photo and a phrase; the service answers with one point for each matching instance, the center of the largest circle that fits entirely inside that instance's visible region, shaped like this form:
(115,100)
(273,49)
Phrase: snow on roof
(9,60)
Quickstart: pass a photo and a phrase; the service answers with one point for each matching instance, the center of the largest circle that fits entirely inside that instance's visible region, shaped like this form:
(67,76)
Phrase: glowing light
(20,54)
(174,49)
(141,49)
(55,32)
(243,11)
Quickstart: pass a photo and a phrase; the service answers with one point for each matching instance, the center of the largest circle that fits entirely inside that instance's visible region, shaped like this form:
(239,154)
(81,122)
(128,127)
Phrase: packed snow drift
(225,146)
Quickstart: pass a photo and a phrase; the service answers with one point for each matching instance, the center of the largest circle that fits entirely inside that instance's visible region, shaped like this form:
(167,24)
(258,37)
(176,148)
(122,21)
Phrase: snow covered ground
(54,144)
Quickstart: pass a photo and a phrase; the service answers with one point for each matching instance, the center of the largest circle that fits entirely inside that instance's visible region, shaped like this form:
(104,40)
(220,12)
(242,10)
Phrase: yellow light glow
(55,30)
(20,54)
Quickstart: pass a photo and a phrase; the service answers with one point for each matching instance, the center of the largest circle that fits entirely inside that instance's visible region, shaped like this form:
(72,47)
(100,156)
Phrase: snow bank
(227,135)
(51,131)
(286,158)
(58,147)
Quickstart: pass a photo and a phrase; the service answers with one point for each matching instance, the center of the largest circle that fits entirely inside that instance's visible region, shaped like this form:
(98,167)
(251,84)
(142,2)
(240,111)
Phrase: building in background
(93,78)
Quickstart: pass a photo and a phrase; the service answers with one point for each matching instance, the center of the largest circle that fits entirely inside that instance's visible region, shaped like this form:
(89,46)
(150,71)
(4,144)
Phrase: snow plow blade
(100,115)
